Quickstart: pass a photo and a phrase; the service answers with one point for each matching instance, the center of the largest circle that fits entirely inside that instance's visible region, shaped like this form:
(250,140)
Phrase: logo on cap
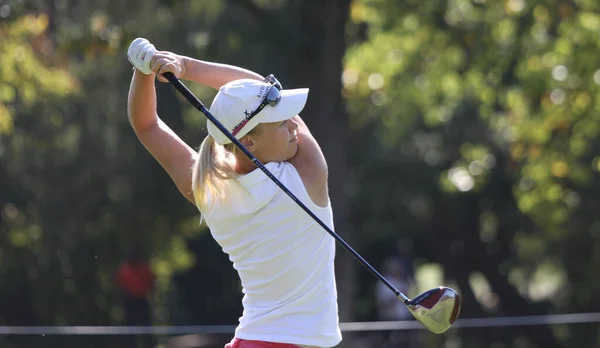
(242,123)
(262,92)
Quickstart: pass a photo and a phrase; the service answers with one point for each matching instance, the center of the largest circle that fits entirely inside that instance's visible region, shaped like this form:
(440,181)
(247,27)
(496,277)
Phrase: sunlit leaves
(504,32)
(360,11)
(25,78)
(461,12)
(511,77)
(6,123)
(7,93)
(471,171)
(545,116)
(590,21)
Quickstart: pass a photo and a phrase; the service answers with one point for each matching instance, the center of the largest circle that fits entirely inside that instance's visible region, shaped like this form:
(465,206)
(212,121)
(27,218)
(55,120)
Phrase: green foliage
(72,198)
(476,94)
(25,77)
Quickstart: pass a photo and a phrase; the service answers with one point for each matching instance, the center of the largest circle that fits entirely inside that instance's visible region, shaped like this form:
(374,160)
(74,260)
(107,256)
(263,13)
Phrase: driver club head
(436,309)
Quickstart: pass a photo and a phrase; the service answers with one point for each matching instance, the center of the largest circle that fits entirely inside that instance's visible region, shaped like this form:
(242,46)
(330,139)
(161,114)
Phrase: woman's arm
(311,165)
(210,74)
(213,74)
(175,156)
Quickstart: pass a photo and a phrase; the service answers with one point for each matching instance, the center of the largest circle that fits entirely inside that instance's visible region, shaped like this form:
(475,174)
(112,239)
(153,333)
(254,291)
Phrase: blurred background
(461,137)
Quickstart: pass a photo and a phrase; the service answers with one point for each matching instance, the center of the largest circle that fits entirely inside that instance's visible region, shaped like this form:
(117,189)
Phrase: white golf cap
(236,100)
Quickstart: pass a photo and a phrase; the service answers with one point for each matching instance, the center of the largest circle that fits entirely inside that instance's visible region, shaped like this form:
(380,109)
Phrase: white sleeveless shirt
(285,260)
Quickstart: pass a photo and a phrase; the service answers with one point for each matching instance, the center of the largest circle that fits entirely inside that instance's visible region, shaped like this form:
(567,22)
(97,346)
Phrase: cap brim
(291,103)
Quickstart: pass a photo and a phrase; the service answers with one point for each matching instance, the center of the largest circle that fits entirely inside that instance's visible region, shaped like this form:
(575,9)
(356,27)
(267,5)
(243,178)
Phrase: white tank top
(285,260)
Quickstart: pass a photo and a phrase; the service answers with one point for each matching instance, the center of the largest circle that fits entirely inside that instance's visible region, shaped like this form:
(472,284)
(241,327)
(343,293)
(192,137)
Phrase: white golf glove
(140,53)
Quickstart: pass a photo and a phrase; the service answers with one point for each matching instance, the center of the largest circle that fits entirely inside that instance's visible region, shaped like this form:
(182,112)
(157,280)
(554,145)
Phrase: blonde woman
(284,259)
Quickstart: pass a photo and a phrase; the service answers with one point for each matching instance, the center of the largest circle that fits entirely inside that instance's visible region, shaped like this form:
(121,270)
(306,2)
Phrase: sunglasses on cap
(272,98)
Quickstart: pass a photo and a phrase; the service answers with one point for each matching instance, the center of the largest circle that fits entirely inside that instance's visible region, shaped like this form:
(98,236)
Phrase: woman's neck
(243,165)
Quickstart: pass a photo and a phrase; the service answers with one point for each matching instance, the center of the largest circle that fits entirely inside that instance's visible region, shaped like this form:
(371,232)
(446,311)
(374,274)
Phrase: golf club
(436,309)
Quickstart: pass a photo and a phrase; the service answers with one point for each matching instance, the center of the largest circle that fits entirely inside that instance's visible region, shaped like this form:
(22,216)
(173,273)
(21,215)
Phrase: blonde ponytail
(214,165)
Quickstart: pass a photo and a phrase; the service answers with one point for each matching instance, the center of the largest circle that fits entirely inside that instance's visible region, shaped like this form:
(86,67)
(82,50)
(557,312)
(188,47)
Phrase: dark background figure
(396,269)
(135,280)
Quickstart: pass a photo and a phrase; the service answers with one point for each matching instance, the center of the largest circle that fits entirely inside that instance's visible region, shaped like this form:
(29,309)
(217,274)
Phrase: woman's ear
(251,140)
(248,143)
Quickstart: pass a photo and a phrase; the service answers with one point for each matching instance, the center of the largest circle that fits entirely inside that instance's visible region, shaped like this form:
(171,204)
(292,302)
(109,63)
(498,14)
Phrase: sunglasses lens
(273,97)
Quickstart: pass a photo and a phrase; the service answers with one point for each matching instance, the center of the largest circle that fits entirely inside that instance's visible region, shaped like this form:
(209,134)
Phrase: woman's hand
(140,53)
(143,56)
(164,61)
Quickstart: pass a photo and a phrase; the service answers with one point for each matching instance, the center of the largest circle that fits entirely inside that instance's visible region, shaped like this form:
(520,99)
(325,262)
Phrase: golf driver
(436,309)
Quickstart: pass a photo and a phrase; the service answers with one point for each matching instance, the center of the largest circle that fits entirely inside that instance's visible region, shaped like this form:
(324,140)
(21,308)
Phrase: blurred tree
(74,198)
(484,121)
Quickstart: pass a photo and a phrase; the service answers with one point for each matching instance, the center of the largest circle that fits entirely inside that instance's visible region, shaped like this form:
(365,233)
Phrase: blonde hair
(214,165)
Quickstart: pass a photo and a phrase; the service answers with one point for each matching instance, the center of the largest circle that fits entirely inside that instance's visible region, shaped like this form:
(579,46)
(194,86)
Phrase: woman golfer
(284,259)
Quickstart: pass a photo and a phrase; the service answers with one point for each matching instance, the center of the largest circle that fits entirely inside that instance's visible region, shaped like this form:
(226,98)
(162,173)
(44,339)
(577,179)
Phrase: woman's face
(274,142)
